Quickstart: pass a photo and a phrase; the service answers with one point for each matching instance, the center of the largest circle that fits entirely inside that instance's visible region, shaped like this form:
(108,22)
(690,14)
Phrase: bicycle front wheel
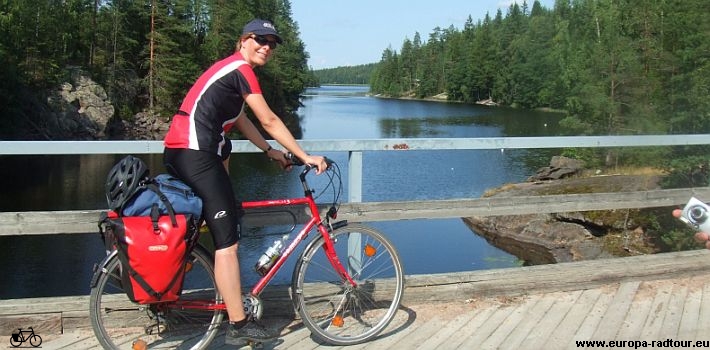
(35,340)
(187,323)
(333,309)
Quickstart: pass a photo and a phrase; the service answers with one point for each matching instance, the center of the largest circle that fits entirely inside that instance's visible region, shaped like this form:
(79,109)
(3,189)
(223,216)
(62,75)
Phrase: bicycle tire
(15,343)
(117,322)
(35,340)
(329,306)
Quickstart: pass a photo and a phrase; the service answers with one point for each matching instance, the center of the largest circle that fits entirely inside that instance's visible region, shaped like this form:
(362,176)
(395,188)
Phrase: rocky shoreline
(80,109)
(563,237)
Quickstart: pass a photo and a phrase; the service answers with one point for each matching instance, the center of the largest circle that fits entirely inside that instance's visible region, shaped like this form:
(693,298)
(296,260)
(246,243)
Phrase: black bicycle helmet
(123,180)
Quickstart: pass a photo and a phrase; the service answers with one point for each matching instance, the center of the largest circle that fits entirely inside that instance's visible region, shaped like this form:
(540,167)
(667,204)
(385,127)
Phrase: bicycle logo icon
(19,336)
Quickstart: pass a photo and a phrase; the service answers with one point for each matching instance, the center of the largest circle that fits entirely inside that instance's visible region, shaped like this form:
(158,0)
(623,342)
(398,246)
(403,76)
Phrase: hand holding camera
(696,214)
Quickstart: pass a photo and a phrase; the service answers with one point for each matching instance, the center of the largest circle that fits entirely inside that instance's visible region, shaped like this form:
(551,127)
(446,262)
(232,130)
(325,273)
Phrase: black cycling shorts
(205,173)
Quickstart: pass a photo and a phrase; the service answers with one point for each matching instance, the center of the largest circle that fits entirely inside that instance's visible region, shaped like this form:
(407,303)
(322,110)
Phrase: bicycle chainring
(252,306)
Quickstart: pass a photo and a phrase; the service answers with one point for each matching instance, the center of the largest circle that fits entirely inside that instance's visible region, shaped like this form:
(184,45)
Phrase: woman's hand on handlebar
(319,162)
(316,161)
(281,157)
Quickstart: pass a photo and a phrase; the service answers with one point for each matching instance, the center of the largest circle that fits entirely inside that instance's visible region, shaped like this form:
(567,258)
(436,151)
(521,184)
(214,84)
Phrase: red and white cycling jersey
(212,106)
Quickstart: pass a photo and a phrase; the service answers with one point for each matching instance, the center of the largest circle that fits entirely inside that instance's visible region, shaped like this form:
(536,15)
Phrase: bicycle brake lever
(293,159)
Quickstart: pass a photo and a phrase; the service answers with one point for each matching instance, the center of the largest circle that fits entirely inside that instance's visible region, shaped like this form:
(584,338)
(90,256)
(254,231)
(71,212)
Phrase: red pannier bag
(153,252)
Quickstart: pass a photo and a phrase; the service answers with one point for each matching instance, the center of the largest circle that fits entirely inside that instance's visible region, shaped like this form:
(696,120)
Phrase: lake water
(60,265)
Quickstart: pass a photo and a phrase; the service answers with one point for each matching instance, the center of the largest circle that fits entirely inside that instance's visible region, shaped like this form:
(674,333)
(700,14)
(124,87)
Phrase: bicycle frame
(21,334)
(315,221)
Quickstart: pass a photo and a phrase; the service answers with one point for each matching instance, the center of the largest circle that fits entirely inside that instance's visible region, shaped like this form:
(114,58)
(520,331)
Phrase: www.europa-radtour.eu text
(637,344)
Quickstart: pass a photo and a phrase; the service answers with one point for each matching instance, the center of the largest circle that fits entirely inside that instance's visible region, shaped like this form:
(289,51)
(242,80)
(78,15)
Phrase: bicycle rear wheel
(15,343)
(118,322)
(331,307)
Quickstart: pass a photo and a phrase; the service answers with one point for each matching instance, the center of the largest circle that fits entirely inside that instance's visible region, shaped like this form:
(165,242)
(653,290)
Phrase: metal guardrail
(359,145)
(356,147)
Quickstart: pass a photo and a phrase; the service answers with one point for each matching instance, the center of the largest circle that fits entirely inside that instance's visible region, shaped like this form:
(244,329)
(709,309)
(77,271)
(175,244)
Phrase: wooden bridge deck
(647,298)
(676,309)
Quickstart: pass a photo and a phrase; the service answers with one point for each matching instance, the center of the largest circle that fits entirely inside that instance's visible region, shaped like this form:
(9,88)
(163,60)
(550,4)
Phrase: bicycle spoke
(338,312)
(118,322)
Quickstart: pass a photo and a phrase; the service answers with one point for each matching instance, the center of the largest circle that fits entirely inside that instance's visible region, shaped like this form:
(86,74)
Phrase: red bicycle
(347,285)
(18,337)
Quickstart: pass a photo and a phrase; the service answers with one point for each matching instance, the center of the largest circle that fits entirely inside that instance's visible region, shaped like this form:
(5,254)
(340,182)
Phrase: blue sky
(346,32)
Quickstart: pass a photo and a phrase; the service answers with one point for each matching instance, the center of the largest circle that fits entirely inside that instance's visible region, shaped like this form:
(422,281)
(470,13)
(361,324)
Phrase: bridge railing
(63,313)
(80,221)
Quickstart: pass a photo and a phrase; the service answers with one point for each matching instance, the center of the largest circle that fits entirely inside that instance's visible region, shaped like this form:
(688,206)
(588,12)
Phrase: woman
(197,151)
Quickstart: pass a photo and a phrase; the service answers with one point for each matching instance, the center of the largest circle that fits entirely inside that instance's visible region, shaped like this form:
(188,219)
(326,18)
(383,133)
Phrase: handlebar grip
(298,162)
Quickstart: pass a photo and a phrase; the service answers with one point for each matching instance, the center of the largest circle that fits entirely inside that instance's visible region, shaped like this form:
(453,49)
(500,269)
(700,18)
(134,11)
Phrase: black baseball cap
(262,27)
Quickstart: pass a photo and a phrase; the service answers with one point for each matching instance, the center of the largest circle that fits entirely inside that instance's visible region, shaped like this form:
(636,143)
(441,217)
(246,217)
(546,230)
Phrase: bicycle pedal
(255,345)
(269,344)
(246,345)
(155,328)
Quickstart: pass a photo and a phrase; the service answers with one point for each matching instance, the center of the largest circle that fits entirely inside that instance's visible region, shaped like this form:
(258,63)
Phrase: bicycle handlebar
(298,162)
(330,164)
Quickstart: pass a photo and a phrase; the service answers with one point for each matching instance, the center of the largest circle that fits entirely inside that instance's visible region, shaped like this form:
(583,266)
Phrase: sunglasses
(262,41)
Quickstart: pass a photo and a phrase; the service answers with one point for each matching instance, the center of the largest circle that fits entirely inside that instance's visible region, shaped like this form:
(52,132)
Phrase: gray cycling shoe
(251,332)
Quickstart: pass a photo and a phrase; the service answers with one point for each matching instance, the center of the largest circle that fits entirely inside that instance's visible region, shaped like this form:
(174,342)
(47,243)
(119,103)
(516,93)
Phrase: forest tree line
(615,66)
(350,75)
(145,53)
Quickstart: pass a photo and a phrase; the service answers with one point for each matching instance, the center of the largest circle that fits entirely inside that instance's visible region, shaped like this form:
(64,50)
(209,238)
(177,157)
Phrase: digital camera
(696,214)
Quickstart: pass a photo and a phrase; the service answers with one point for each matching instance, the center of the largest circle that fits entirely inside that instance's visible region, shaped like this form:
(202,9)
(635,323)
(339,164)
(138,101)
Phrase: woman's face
(256,49)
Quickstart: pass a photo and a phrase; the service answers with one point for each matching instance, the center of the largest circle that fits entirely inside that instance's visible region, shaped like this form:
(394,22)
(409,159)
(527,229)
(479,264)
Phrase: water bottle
(267,260)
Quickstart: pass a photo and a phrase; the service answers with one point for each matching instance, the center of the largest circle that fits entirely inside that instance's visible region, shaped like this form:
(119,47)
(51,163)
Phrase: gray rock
(80,109)
(538,239)
(562,237)
(560,167)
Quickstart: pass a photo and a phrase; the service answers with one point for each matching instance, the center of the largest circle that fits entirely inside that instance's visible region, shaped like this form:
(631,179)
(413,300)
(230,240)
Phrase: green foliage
(591,156)
(384,78)
(10,105)
(146,53)
(667,231)
(687,167)
(679,239)
(173,64)
(351,75)
(616,67)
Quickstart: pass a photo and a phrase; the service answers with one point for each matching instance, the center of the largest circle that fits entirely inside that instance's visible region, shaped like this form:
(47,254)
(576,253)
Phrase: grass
(625,170)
